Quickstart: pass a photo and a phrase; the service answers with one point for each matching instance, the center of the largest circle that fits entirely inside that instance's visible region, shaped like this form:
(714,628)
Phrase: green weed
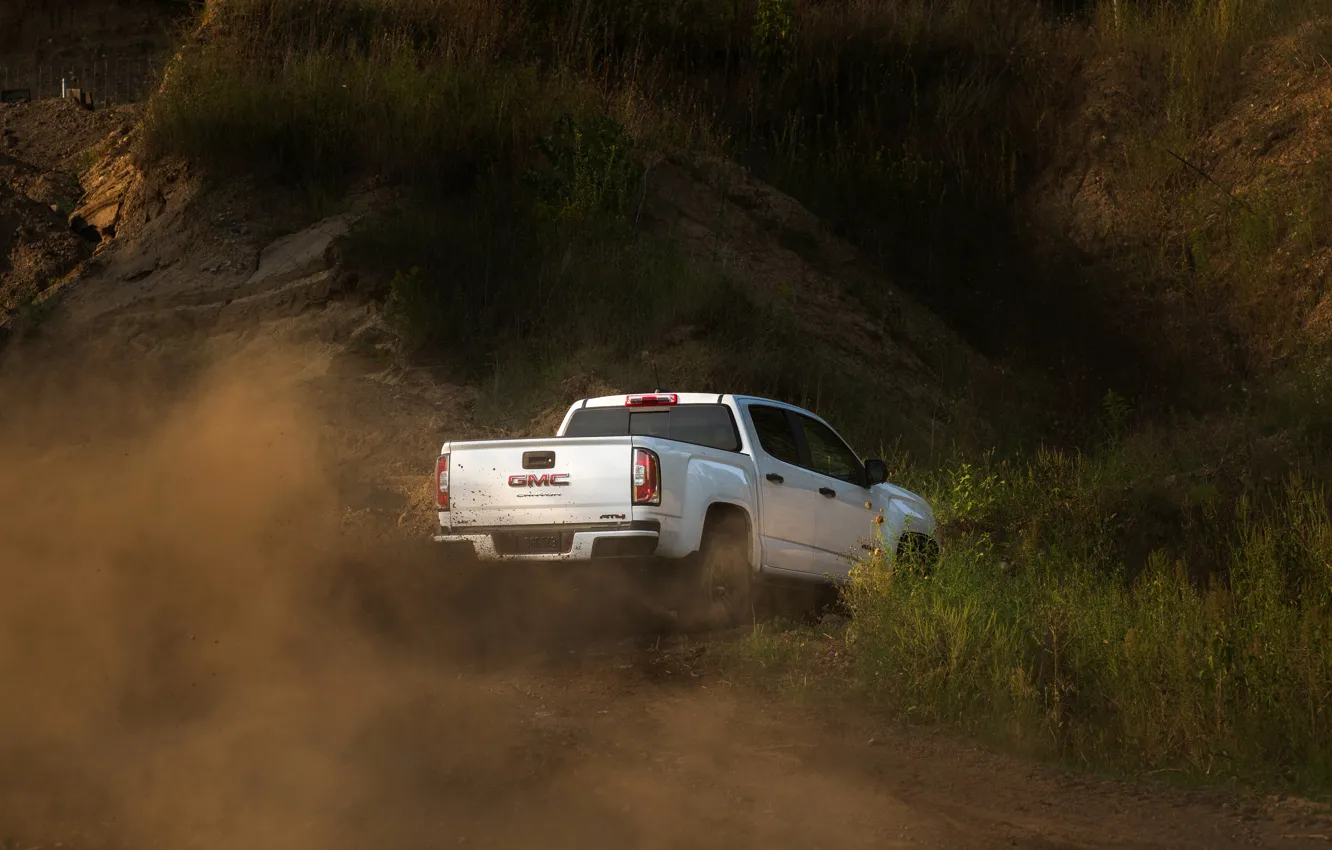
(1039,630)
(32,311)
(790,661)
(591,170)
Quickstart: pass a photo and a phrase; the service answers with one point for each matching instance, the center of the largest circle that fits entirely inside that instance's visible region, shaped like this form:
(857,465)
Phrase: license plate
(539,543)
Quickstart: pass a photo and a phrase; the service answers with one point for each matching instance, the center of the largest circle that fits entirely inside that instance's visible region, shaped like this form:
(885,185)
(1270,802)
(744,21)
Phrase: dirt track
(202,646)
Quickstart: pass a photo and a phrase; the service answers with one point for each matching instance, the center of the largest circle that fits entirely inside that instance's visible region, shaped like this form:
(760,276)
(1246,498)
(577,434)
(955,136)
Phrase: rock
(138,274)
(84,229)
(297,256)
(833,621)
(103,216)
(283,301)
(109,182)
(371,338)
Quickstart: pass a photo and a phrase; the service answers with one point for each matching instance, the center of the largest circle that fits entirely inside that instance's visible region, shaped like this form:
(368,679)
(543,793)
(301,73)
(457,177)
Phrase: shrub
(1063,649)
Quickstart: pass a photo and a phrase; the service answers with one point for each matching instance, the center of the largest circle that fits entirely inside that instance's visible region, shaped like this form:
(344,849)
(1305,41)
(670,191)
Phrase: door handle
(775,478)
(828,491)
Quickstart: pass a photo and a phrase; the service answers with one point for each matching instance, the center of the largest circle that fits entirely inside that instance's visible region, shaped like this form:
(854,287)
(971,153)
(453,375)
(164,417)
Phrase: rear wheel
(725,579)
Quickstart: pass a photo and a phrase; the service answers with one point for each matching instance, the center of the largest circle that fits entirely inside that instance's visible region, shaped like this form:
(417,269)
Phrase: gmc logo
(531,479)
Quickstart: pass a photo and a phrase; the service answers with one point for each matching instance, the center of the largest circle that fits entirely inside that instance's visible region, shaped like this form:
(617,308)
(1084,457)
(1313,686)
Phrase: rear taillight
(647,478)
(442,482)
(651,400)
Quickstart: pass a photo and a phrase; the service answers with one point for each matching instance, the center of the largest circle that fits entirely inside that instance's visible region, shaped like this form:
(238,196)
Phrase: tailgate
(552,481)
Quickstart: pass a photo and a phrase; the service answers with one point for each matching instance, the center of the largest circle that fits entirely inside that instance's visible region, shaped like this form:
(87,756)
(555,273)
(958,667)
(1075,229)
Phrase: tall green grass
(1057,623)
(1191,51)
(329,91)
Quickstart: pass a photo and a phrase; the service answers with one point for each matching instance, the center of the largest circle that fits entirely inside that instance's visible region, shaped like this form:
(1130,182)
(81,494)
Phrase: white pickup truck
(740,488)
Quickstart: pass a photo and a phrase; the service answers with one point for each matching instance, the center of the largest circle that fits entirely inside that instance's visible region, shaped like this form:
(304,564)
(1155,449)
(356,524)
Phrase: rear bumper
(557,543)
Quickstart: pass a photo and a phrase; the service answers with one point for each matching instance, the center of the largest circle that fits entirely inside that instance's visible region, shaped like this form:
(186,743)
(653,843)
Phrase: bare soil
(45,159)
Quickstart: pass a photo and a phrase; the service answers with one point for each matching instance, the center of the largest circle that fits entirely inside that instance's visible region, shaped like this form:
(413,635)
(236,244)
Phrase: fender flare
(738,509)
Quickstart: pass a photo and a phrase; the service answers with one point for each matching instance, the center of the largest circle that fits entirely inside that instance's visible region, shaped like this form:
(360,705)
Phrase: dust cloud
(194,654)
(198,650)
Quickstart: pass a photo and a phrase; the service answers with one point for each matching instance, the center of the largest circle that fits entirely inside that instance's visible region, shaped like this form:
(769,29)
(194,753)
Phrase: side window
(774,433)
(705,425)
(829,455)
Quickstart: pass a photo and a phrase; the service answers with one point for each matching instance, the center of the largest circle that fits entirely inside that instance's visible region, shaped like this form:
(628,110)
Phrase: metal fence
(109,80)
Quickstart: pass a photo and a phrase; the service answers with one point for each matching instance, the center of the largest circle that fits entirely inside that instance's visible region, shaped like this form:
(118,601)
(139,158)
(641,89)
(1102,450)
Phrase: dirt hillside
(1228,225)
(55,159)
(177,254)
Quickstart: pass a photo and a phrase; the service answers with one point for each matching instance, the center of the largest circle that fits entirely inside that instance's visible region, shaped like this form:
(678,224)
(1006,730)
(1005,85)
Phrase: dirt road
(202,644)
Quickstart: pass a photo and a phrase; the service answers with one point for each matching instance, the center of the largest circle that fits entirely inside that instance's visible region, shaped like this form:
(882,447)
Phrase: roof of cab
(683,398)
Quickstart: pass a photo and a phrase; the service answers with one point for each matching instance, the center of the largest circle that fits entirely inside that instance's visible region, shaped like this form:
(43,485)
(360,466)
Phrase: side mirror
(876,470)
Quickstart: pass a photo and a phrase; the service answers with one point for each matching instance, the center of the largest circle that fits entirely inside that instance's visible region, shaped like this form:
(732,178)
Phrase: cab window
(708,425)
(829,456)
(773,428)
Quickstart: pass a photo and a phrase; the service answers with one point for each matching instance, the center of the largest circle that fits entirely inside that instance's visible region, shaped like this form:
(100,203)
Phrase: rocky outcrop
(107,183)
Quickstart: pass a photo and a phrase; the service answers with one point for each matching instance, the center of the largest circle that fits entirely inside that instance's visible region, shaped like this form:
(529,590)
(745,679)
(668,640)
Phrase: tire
(724,579)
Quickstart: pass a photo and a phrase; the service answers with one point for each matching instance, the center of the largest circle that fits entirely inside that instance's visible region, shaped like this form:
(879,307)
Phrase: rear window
(698,424)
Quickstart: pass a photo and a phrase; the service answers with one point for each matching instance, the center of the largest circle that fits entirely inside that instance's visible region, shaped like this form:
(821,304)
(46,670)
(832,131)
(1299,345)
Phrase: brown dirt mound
(54,135)
(63,173)
(37,248)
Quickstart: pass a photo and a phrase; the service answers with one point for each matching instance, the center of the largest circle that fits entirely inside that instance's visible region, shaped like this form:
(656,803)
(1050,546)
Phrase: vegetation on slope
(1209,655)
(1157,602)
(522,136)
(1158,599)
(916,128)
